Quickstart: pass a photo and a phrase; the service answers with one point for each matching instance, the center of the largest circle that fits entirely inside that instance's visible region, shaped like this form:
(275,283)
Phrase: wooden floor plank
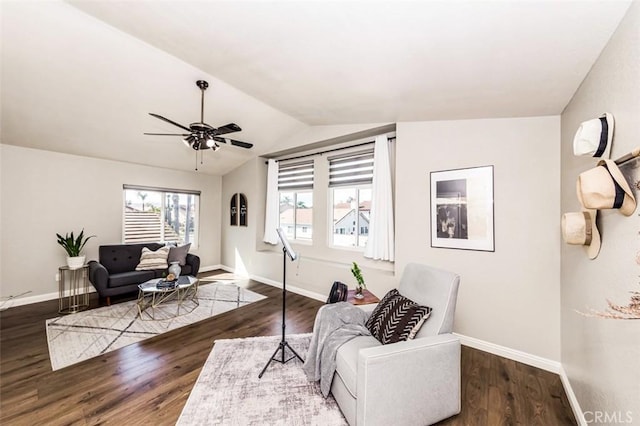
(149,382)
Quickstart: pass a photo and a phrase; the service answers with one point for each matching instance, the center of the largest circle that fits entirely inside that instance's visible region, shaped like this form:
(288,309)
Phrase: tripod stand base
(281,347)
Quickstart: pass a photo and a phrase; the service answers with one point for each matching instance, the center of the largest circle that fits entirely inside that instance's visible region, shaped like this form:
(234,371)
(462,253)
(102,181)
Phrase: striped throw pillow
(153,259)
(396,318)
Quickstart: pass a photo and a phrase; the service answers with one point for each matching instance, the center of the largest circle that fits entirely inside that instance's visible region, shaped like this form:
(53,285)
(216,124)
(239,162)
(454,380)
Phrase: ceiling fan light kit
(201,135)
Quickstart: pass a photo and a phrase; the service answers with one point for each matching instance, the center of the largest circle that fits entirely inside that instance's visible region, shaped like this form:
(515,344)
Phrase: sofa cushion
(150,259)
(347,360)
(119,258)
(128,278)
(179,254)
(396,318)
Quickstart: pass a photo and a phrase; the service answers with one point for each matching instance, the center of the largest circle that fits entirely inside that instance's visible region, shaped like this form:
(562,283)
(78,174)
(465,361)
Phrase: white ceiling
(77,84)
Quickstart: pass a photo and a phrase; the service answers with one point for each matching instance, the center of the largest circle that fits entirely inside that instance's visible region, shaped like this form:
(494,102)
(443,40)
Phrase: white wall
(510,297)
(317,266)
(44,193)
(601,356)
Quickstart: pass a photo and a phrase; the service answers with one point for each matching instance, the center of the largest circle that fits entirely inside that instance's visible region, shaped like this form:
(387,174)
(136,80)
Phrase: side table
(368,298)
(73,289)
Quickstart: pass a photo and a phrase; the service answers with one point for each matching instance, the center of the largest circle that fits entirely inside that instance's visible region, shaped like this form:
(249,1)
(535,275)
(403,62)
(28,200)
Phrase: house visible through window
(295,186)
(350,177)
(160,215)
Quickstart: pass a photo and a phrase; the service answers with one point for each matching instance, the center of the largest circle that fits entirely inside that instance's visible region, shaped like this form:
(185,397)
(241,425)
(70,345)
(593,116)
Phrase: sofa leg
(108,300)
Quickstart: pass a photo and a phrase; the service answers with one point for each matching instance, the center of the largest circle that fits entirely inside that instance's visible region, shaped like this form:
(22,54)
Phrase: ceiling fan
(201,136)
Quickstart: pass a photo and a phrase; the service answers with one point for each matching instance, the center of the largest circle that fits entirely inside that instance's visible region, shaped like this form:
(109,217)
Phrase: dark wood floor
(149,382)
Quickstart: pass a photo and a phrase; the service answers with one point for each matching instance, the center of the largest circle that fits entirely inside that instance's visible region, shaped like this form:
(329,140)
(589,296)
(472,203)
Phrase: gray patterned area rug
(76,337)
(228,391)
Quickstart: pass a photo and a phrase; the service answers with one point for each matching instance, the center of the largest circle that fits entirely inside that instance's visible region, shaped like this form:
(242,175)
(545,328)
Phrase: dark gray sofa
(115,271)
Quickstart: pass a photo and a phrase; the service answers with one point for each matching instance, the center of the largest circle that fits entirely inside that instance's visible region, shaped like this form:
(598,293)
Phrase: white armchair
(414,382)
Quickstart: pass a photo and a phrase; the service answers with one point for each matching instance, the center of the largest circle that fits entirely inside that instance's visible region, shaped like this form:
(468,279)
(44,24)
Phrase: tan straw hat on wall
(579,228)
(605,187)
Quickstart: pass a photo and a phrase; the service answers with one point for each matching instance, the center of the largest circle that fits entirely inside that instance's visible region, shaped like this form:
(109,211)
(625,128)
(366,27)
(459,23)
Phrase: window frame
(195,242)
(295,215)
(297,177)
(330,225)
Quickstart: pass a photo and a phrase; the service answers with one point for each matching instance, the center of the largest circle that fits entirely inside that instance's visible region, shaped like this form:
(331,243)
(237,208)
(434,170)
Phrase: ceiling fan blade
(228,128)
(234,142)
(168,134)
(169,121)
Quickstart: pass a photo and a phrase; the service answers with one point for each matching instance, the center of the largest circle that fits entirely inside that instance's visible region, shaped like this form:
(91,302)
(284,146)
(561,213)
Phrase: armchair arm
(409,383)
(194,261)
(98,276)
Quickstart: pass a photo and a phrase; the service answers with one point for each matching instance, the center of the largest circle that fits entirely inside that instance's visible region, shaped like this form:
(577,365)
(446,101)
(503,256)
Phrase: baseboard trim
(533,360)
(573,400)
(273,283)
(513,354)
(20,301)
(210,268)
(291,288)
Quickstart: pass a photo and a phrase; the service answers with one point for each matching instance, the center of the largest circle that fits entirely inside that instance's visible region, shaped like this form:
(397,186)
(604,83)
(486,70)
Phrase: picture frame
(462,209)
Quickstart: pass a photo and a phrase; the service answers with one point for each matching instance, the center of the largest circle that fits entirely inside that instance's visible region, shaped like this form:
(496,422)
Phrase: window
(295,186)
(160,215)
(350,177)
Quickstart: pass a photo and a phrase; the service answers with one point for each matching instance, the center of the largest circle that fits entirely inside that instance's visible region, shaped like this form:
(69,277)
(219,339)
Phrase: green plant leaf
(72,245)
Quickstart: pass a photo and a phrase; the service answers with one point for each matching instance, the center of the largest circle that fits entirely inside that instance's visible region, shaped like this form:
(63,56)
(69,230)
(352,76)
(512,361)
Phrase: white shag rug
(229,392)
(83,335)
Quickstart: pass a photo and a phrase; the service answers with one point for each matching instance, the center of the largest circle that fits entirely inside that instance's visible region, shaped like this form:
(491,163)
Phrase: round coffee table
(156,302)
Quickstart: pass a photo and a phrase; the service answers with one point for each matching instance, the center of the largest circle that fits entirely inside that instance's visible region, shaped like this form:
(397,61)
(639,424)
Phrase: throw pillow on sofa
(150,259)
(179,254)
(396,318)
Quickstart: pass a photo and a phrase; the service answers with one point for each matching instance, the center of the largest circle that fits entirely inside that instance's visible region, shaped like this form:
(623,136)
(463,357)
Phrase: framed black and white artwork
(238,210)
(462,209)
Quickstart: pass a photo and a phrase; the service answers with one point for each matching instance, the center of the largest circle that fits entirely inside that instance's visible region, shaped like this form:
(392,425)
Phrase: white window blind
(351,169)
(295,176)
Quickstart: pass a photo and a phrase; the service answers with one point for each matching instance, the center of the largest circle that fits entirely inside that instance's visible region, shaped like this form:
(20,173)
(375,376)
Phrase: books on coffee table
(164,284)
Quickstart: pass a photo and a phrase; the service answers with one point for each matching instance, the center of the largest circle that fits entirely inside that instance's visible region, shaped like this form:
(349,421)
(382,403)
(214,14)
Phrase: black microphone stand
(283,343)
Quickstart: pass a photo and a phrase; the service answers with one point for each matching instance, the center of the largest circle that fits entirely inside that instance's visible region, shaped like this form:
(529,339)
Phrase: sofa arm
(98,276)
(409,383)
(194,261)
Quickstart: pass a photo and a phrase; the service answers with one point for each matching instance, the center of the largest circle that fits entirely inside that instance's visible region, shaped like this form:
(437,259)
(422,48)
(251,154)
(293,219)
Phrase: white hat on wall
(594,137)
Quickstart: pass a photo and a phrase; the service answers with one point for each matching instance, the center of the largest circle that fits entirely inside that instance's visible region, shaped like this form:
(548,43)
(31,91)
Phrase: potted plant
(357,273)
(73,246)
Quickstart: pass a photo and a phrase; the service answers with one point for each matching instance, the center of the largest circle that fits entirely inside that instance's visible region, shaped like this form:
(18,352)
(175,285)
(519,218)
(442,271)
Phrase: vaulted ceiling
(81,76)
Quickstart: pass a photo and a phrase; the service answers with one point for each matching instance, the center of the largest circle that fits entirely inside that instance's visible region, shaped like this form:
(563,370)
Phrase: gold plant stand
(73,289)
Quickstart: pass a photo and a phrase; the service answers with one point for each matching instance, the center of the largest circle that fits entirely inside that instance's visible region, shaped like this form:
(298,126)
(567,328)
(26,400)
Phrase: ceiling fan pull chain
(196,161)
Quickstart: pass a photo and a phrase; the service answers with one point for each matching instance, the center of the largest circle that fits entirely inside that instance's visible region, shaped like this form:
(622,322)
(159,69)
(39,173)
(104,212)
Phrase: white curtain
(380,244)
(272,209)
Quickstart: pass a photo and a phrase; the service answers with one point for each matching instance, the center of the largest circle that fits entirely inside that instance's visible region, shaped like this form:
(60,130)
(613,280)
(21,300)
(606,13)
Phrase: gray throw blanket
(335,325)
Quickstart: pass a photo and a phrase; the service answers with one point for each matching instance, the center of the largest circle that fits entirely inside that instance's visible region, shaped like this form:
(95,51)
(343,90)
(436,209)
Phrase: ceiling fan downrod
(203,86)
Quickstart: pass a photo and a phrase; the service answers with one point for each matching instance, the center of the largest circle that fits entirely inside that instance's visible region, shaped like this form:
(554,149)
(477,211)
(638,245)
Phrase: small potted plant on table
(357,273)
(73,246)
